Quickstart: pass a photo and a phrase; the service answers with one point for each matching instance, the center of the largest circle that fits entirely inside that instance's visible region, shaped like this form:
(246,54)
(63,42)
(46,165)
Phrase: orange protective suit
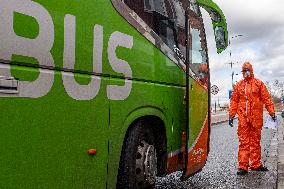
(247,101)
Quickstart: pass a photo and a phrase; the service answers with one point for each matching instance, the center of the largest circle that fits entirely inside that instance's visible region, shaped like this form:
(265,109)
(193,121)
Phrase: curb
(271,161)
(223,121)
(216,123)
(280,164)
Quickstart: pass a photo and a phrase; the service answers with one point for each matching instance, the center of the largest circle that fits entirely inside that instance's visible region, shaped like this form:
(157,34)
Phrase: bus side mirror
(220,37)
(220,31)
(219,23)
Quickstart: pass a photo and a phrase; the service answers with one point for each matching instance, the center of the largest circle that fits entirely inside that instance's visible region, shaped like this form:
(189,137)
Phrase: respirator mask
(246,73)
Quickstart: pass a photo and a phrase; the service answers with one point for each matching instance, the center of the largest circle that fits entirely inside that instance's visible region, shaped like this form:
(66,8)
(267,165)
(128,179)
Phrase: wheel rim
(146,164)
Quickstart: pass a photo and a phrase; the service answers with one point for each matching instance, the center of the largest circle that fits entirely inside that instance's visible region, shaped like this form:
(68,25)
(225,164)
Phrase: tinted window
(155,5)
(166,18)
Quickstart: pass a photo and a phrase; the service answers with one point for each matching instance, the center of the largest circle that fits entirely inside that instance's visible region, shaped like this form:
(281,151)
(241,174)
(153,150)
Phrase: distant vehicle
(282,113)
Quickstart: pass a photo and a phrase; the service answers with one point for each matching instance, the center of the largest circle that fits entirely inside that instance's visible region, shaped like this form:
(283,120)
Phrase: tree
(275,88)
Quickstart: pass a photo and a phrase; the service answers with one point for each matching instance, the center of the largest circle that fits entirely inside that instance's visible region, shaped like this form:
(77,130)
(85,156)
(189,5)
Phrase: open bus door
(198,86)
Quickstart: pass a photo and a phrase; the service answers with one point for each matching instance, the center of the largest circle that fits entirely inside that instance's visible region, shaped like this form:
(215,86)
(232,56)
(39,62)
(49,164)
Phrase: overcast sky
(261,22)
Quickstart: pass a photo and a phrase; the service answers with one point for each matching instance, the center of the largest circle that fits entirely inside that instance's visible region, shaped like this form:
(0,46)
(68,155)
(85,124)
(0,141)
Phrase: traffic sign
(230,93)
(214,90)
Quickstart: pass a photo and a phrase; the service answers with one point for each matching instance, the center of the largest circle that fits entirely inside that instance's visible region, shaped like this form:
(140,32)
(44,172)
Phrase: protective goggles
(246,70)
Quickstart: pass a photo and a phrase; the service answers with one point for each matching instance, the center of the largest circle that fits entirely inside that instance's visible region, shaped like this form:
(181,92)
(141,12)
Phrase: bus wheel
(138,163)
(146,163)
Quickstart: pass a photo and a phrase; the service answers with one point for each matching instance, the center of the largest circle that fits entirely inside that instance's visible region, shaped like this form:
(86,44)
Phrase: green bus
(104,93)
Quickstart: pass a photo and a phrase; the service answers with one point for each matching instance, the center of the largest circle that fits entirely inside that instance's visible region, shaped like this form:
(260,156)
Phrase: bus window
(157,6)
(180,22)
(166,18)
(194,7)
(179,12)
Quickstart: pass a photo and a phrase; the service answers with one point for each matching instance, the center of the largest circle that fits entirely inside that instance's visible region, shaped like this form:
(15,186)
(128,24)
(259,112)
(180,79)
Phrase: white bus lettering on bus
(40,47)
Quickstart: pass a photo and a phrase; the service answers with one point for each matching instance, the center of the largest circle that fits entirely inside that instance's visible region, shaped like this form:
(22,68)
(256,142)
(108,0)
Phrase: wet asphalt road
(221,167)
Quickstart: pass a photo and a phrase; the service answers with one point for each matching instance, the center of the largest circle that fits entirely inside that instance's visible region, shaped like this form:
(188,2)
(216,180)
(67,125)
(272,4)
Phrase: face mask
(247,74)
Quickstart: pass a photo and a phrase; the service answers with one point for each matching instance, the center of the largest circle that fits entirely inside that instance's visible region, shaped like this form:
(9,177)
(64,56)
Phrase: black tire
(129,176)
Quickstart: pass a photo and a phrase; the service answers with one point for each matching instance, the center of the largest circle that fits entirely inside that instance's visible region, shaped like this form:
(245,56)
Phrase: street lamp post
(231,63)
(233,73)
(233,80)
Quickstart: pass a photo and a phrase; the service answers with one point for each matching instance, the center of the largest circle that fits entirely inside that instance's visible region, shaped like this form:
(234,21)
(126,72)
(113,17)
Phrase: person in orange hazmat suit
(247,101)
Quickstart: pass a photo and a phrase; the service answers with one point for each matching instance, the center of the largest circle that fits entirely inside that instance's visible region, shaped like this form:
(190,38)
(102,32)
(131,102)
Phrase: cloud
(245,16)
(261,23)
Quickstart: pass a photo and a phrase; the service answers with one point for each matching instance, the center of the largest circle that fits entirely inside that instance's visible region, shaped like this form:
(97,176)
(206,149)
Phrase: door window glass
(199,51)
(196,47)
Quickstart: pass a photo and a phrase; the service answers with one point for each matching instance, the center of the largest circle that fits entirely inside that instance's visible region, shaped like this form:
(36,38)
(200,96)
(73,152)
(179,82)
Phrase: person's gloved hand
(273,116)
(231,120)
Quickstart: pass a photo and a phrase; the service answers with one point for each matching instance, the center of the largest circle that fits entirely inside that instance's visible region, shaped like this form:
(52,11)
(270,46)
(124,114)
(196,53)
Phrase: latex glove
(273,116)
(231,120)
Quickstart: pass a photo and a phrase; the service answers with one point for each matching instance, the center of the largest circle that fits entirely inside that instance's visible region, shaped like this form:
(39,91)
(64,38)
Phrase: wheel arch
(156,121)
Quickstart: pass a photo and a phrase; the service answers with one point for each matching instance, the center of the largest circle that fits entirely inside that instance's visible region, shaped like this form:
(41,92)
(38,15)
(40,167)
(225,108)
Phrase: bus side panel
(44,142)
(90,19)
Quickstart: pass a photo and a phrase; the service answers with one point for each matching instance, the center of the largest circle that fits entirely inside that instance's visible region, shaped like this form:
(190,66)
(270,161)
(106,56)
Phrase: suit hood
(247,65)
